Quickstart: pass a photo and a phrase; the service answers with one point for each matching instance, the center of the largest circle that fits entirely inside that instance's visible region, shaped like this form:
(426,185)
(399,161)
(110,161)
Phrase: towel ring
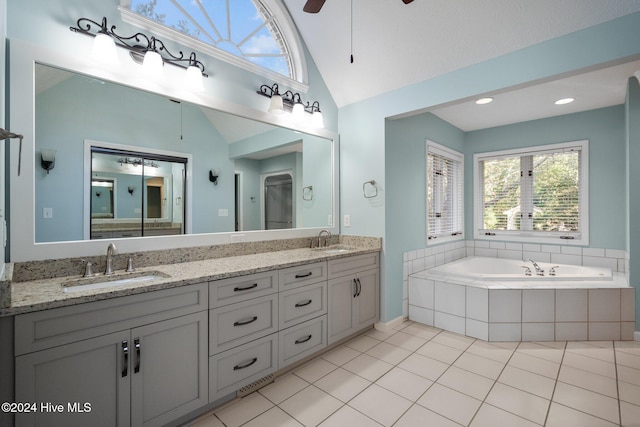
(364,189)
(307,193)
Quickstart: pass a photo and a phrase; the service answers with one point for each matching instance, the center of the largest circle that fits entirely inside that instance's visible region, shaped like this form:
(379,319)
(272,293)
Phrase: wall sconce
(130,189)
(47,159)
(98,193)
(292,103)
(213,176)
(151,52)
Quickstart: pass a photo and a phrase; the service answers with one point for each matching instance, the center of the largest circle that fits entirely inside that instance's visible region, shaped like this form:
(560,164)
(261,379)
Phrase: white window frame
(299,74)
(549,237)
(458,186)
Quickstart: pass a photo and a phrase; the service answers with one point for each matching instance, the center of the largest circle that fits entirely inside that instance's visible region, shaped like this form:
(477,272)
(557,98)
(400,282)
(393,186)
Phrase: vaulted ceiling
(395,45)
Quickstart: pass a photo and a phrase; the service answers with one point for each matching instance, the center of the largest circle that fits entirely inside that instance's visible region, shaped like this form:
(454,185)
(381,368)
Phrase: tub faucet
(539,271)
(321,240)
(111,251)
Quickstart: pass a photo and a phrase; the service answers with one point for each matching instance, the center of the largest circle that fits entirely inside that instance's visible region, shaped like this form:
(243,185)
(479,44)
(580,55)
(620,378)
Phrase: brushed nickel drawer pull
(246,322)
(303,340)
(246,365)
(303,304)
(301,276)
(125,357)
(246,288)
(136,344)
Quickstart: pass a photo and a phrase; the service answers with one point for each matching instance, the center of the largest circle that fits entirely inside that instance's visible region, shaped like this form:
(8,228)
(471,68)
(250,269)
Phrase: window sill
(524,237)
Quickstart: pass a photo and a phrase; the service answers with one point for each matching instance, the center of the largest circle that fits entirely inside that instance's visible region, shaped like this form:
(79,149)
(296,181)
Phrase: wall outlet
(47,213)
(223,212)
(347,221)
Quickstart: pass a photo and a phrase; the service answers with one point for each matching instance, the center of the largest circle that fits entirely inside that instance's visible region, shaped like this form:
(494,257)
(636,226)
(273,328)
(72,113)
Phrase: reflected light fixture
(151,52)
(564,101)
(292,103)
(483,101)
(47,159)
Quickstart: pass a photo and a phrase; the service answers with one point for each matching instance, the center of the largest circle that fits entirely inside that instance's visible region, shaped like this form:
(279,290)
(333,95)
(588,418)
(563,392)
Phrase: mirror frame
(23,56)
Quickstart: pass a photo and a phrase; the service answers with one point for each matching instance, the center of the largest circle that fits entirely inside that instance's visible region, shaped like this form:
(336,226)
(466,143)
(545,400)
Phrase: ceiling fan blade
(314,6)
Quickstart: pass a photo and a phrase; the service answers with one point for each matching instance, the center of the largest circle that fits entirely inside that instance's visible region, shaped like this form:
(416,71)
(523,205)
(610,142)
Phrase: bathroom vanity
(150,353)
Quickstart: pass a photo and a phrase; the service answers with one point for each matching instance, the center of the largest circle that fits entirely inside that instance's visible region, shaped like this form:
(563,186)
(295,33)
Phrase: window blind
(445,217)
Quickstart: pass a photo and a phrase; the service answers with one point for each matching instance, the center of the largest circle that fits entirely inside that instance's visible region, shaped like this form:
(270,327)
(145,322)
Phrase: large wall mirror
(138,164)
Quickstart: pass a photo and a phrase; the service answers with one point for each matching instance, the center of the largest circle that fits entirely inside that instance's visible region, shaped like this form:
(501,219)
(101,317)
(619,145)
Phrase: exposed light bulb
(193,80)
(152,64)
(104,49)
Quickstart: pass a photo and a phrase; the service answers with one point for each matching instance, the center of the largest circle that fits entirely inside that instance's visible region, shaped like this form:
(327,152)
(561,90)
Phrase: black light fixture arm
(138,44)
(289,99)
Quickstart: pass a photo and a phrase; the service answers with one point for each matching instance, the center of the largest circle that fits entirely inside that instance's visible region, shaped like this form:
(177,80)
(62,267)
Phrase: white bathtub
(492,299)
(498,270)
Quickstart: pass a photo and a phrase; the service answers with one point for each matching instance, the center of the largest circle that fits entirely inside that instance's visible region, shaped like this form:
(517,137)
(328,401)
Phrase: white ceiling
(395,45)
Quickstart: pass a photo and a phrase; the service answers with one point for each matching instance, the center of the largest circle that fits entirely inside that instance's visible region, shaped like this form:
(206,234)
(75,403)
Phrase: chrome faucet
(320,239)
(539,271)
(111,251)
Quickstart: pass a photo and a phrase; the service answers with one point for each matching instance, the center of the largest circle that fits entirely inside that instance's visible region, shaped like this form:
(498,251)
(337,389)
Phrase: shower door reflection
(278,201)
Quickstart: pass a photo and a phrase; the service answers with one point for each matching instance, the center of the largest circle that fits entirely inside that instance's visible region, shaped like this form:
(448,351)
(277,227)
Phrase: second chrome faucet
(111,251)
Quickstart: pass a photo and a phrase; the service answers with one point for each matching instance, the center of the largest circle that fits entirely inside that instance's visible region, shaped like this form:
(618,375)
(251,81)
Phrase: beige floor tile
(518,402)
(389,353)
(406,341)
(466,382)
(420,416)
(404,324)
(535,365)
(311,406)
(342,384)
(422,331)
(588,380)
(362,343)
(563,416)
(347,416)
(628,359)
(479,365)
(490,351)
(424,366)
(587,401)
(509,345)
(440,352)
(629,393)
(629,375)
(536,384)
(490,416)
(207,421)
(592,349)
(379,335)
(380,404)
(244,410)
(542,351)
(283,388)
(273,417)
(368,367)
(450,403)
(630,414)
(404,383)
(631,347)
(314,370)
(589,364)
(453,340)
(341,355)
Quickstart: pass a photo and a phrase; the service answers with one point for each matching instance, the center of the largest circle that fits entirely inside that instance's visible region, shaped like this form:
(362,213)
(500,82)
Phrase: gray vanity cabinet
(146,375)
(353,288)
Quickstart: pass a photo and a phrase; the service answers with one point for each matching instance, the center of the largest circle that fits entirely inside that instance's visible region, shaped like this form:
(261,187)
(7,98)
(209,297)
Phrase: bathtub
(492,299)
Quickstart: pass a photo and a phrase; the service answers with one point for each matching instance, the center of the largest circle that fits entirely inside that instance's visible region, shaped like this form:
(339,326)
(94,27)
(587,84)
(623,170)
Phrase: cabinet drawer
(239,323)
(346,266)
(300,304)
(59,326)
(302,340)
(302,275)
(233,369)
(236,289)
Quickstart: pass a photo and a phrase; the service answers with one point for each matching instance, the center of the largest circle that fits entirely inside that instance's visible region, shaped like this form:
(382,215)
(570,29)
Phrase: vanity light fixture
(482,101)
(213,176)
(564,101)
(47,159)
(131,189)
(151,52)
(292,103)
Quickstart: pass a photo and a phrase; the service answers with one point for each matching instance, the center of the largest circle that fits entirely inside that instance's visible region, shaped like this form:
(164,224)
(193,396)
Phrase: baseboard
(386,327)
(636,336)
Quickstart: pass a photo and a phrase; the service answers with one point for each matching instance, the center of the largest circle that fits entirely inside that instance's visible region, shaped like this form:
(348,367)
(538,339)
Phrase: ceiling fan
(314,6)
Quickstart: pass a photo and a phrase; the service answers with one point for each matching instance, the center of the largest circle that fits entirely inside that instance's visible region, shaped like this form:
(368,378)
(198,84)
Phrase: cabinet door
(93,371)
(341,292)
(367,304)
(169,369)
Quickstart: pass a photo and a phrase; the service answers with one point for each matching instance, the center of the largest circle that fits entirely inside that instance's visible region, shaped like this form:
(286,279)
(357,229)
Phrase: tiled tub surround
(38,285)
(531,309)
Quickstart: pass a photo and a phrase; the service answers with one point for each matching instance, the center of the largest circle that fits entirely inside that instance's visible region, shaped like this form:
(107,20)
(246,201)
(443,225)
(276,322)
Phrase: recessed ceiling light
(564,101)
(482,101)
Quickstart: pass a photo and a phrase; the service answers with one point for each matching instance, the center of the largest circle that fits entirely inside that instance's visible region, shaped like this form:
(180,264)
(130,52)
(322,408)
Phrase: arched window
(257,35)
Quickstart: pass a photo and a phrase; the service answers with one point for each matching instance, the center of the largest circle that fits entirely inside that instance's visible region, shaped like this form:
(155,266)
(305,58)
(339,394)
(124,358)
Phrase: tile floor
(417,375)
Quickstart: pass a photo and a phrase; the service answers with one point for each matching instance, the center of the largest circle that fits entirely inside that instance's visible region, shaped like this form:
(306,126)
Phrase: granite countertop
(36,295)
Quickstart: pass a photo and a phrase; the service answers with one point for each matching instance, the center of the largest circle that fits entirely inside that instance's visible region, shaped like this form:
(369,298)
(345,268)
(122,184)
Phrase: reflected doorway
(278,201)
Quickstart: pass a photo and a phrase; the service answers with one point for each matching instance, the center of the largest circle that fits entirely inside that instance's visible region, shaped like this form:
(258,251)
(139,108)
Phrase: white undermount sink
(336,249)
(102,281)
